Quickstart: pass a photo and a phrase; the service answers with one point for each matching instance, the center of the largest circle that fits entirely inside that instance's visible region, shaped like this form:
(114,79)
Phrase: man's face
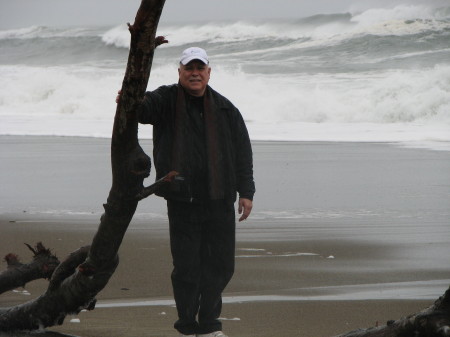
(194,77)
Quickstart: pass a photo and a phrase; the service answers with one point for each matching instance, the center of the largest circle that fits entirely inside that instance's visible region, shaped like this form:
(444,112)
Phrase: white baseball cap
(193,53)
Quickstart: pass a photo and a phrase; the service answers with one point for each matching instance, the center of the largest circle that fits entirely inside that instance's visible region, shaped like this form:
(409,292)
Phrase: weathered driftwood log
(72,295)
(73,289)
(431,322)
(130,165)
(18,274)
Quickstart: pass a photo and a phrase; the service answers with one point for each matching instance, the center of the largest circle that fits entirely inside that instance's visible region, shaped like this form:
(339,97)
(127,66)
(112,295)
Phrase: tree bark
(74,286)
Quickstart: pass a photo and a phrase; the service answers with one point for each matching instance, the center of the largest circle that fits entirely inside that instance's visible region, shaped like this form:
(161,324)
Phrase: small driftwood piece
(18,274)
(431,322)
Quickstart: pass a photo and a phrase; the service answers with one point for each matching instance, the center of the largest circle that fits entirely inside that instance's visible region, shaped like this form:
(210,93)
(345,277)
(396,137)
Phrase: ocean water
(379,75)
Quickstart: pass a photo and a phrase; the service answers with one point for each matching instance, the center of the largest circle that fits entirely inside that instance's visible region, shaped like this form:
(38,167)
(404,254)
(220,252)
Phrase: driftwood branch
(149,190)
(130,164)
(18,274)
(68,267)
(77,280)
(431,322)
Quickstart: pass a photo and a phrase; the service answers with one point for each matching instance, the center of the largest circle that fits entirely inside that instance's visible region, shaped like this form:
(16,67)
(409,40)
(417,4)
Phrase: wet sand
(343,235)
(144,274)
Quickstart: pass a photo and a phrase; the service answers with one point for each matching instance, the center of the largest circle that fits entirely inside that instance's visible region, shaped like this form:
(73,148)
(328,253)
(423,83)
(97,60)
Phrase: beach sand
(343,236)
(144,273)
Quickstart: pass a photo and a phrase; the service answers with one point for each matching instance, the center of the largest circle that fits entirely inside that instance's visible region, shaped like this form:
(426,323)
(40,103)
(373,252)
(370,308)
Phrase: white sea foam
(391,106)
(118,36)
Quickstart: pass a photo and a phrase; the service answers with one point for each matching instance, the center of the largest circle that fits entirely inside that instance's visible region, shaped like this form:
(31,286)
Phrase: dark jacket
(228,150)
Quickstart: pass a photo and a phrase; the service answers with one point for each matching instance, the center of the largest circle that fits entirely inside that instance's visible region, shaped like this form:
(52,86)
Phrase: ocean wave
(374,23)
(399,12)
(27,32)
(44,32)
(217,32)
(118,36)
(393,96)
(399,20)
(317,30)
(400,16)
(324,77)
(80,101)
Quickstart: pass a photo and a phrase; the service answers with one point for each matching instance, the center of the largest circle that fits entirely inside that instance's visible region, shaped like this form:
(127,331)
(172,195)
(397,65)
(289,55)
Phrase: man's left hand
(245,208)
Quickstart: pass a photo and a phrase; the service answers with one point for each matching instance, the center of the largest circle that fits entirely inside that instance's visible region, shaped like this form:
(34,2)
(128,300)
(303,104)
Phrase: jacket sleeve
(152,106)
(244,160)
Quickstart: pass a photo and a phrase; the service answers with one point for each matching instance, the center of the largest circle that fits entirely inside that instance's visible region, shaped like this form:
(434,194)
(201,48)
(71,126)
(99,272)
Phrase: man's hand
(245,208)
(118,96)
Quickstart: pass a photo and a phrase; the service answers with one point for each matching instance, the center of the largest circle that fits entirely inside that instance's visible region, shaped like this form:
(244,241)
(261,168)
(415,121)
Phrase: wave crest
(22,33)
(45,32)
(118,36)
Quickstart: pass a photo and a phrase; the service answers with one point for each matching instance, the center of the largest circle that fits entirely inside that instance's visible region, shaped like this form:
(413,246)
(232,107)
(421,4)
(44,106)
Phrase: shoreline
(406,144)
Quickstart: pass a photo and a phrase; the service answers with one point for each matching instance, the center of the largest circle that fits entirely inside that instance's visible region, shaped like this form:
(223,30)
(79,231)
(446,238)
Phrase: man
(202,135)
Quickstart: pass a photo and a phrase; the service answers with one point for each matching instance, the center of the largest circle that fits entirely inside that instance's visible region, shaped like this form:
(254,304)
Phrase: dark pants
(202,240)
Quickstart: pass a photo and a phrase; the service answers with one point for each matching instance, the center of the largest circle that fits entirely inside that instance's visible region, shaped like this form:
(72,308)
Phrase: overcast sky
(25,13)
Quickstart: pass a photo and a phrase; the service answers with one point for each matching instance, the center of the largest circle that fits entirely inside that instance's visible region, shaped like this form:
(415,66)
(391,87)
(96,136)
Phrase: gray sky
(25,13)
